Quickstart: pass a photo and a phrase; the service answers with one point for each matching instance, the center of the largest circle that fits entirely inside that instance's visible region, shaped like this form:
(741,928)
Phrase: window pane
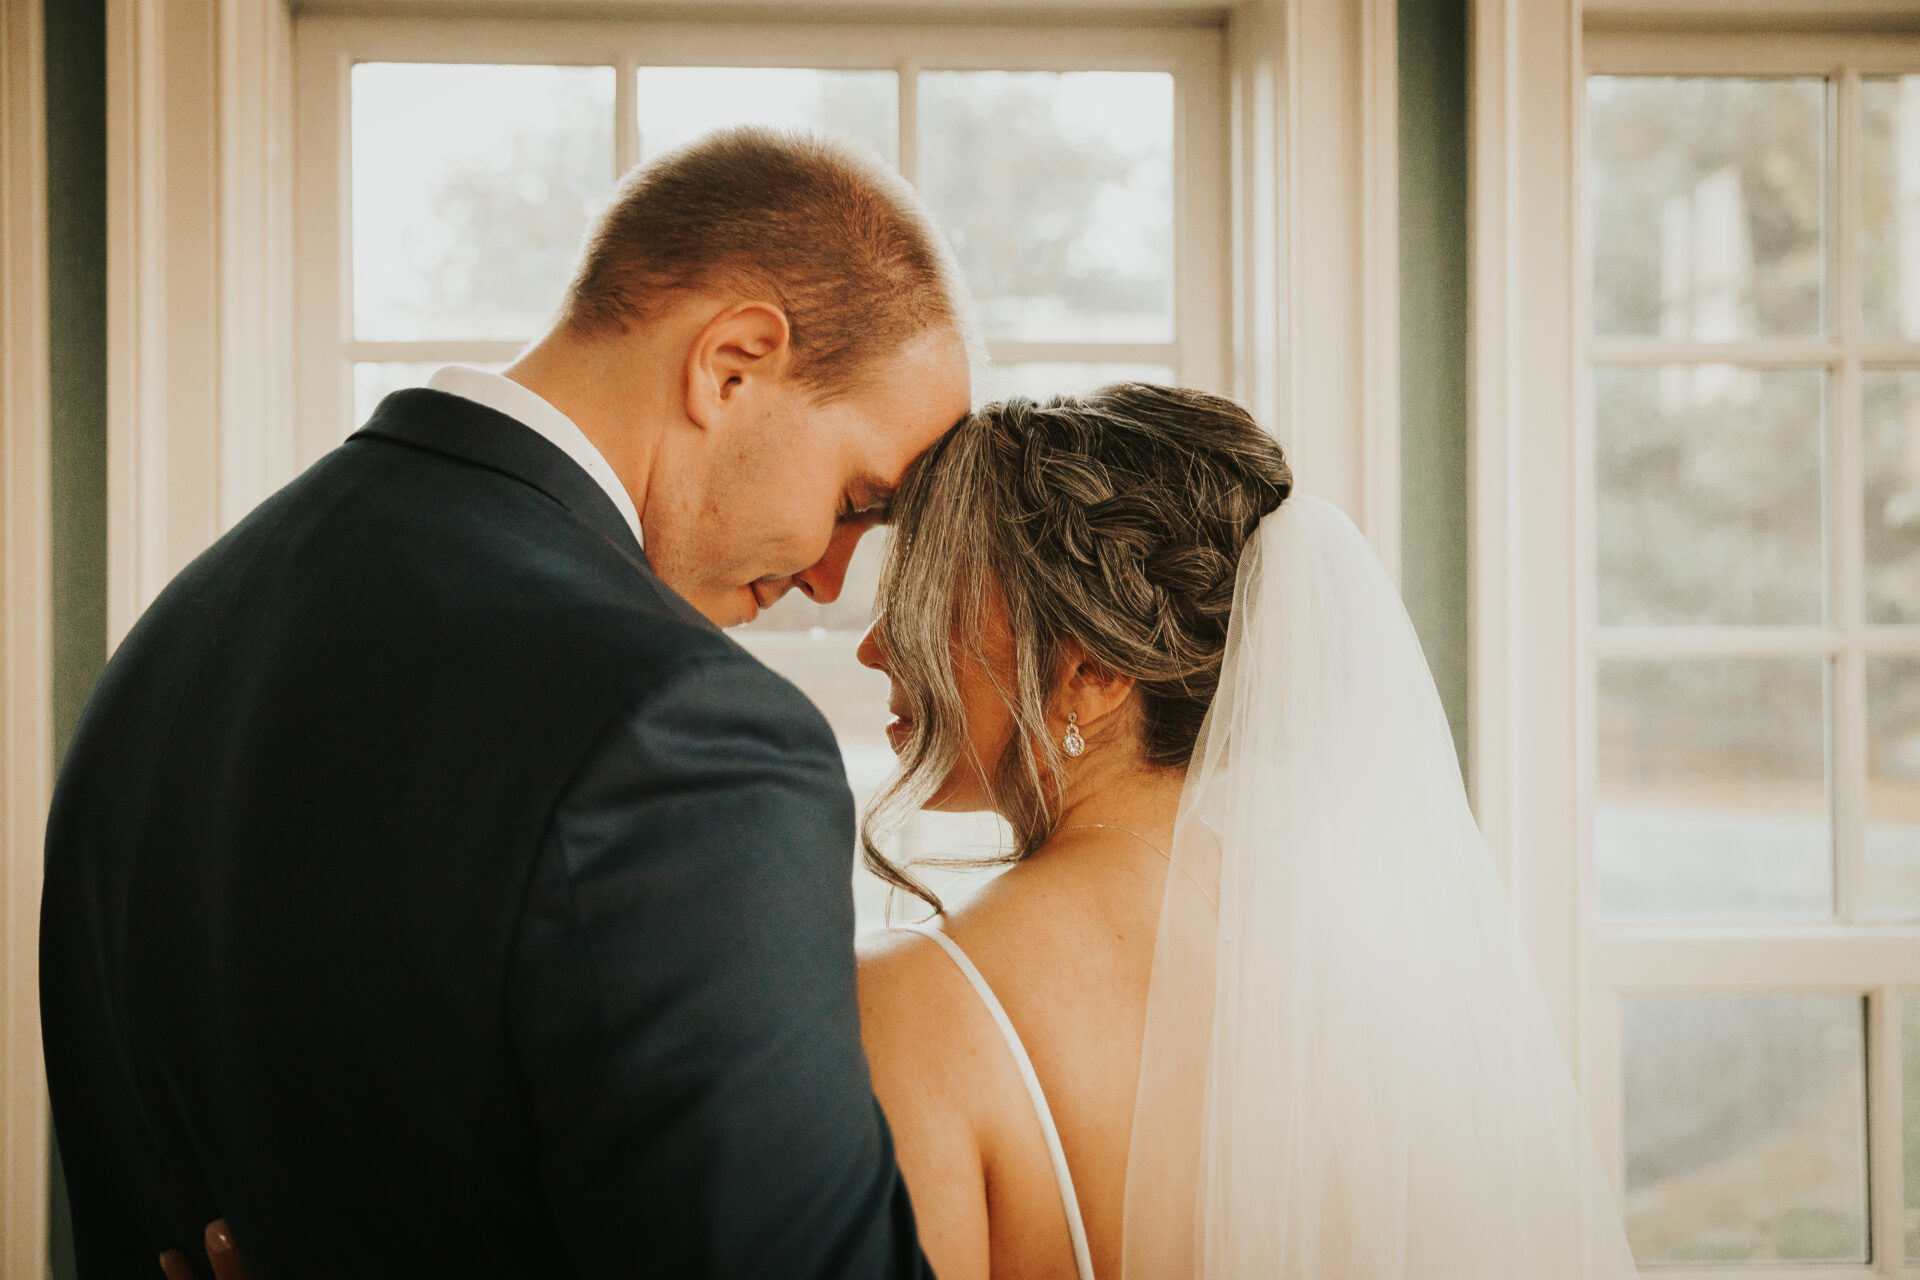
(372,383)
(1039,381)
(1713,789)
(1057,192)
(678,104)
(1892,421)
(1711,494)
(1910,1105)
(1746,1128)
(1893,787)
(1890,207)
(813,646)
(472,187)
(1709,206)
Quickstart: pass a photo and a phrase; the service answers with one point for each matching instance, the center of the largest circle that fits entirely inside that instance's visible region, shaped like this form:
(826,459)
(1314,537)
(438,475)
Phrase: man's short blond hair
(835,239)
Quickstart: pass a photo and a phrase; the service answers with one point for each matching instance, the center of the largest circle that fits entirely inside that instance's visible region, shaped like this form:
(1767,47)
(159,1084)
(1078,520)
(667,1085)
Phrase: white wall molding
(1342,252)
(26,633)
(256,190)
(1528,505)
(1530,685)
(1316,162)
(1379,163)
(1092,13)
(1256,88)
(1774,16)
(198,279)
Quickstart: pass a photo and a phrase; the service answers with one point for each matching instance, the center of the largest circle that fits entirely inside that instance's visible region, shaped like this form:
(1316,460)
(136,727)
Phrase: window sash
(1846,637)
(327,47)
(1879,961)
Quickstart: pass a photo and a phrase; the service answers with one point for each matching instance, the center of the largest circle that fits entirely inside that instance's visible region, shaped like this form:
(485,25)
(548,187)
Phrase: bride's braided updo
(1113,522)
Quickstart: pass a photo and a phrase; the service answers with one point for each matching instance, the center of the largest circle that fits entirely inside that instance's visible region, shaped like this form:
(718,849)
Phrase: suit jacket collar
(459,428)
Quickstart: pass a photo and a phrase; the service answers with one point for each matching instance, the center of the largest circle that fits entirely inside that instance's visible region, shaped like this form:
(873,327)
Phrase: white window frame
(1536,635)
(1848,955)
(199,281)
(327,47)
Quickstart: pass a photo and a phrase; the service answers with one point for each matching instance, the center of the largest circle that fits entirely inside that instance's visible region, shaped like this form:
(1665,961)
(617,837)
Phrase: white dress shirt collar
(504,395)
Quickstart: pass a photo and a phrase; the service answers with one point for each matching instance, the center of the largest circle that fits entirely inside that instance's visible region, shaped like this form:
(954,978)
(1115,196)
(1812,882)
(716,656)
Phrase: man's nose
(825,578)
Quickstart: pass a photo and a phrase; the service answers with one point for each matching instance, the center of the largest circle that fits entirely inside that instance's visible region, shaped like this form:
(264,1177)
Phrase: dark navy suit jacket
(432,892)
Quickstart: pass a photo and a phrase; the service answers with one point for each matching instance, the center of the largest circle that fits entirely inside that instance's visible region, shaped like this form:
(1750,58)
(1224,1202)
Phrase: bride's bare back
(1065,939)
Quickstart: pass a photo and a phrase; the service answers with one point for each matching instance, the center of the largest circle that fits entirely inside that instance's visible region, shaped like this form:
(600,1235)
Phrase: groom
(432,889)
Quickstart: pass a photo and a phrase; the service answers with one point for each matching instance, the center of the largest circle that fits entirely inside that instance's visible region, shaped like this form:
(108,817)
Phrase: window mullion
(1846,522)
(1885,1218)
(908,70)
(1780,955)
(436,351)
(1849,719)
(1846,609)
(1886,1211)
(1777,353)
(626,114)
(1662,642)
(1901,641)
(1845,304)
(1014,352)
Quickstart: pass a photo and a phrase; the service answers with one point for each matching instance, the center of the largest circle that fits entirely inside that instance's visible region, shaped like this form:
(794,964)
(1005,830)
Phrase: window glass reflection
(1712,796)
(1745,1128)
(472,189)
(1711,487)
(1056,189)
(1709,200)
(1890,206)
(679,104)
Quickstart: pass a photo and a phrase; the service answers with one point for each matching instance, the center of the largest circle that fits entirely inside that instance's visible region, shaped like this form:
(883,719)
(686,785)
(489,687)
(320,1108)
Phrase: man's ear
(1089,688)
(745,343)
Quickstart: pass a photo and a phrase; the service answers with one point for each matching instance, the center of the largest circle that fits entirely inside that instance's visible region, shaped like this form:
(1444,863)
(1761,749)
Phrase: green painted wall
(1433,341)
(76,61)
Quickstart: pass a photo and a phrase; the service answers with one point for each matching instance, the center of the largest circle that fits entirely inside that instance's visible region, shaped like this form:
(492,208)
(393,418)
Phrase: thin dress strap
(1076,1229)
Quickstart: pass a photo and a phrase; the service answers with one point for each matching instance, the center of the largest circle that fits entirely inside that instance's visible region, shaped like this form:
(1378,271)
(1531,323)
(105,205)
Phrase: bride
(1249,1002)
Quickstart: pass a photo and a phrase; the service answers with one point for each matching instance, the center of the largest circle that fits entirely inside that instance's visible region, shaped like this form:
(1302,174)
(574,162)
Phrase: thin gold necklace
(1182,868)
(1114,826)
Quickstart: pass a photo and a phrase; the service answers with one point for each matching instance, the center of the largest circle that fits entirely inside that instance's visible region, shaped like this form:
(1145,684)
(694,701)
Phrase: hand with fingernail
(221,1252)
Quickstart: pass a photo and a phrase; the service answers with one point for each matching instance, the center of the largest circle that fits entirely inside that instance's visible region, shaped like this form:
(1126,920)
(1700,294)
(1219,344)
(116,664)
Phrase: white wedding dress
(1349,1072)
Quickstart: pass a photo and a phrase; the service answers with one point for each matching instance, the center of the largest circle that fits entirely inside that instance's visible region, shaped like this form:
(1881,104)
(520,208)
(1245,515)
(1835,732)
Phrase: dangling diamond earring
(1073,744)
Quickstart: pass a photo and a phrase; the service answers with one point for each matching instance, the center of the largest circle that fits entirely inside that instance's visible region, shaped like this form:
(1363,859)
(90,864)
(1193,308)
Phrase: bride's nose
(869,654)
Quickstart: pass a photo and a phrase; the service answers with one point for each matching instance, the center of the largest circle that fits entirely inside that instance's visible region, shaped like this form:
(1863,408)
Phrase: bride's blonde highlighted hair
(1113,521)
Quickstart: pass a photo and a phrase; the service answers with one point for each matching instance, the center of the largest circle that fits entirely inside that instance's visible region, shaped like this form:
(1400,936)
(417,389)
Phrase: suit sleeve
(683,1003)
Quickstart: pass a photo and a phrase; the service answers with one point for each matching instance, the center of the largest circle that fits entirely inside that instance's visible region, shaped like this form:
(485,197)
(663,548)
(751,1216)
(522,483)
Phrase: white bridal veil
(1349,1072)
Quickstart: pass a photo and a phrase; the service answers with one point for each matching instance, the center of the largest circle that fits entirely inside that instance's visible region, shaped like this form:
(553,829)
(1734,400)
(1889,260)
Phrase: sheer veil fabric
(1349,1071)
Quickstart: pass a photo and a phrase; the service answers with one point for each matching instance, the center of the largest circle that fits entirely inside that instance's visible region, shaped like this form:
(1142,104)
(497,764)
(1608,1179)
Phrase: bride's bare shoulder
(938,1067)
(1092,904)
(917,1013)
(1044,930)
